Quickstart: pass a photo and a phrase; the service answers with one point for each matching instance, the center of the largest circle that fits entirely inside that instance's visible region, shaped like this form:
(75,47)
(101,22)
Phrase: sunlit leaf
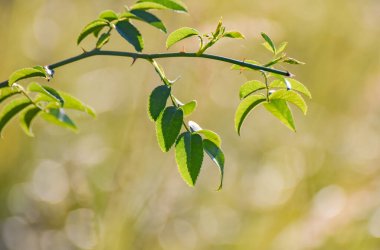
(58,117)
(103,40)
(150,19)
(157,101)
(290,60)
(290,96)
(108,15)
(211,136)
(189,108)
(11,109)
(279,108)
(26,73)
(282,47)
(250,87)
(234,34)
(179,35)
(175,5)
(168,126)
(217,156)
(26,119)
(295,85)
(94,26)
(131,34)
(268,43)
(7,93)
(46,90)
(245,107)
(189,156)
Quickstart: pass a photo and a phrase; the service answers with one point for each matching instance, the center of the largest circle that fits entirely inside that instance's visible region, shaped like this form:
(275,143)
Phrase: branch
(97,52)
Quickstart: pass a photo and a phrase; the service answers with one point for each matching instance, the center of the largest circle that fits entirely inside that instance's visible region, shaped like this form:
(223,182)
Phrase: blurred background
(110,186)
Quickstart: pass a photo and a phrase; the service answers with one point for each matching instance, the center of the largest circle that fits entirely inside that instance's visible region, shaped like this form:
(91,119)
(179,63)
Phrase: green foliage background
(110,186)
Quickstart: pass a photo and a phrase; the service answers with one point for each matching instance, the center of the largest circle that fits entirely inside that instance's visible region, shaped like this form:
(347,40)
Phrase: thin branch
(97,52)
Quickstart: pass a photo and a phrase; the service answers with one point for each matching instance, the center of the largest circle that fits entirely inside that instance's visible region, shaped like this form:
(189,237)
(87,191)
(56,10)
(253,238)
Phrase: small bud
(49,72)
(271,91)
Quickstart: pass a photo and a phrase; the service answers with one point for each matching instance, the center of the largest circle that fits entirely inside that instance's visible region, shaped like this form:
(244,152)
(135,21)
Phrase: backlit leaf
(150,19)
(282,47)
(290,96)
(250,87)
(296,85)
(168,127)
(290,60)
(175,5)
(189,156)
(279,108)
(234,34)
(245,107)
(8,92)
(108,15)
(157,101)
(268,43)
(189,108)
(26,73)
(58,117)
(26,119)
(179,35)
(217,156)
(46,90)
(94,26)
(11,109)
(211,136)
(103,40)
(131,34)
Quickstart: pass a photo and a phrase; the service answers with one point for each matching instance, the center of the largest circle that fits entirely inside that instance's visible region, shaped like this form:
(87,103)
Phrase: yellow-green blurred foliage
(110,186)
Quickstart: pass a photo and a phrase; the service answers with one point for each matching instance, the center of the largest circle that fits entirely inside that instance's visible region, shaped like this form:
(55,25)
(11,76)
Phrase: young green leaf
(296,85)
(211,136)
(26,73)
(268,43)
(58,117)
(175,5)
(7,93)
(94,26)
(290,96)
(12,109)
(189,156)
(150,19)
(168,126)
(245,107)
(250,87)
(103,40)
(46,90)
(281,48)
(131,34)
(279,108)
(26,119)
(217,156)
(290,60)
(234,34)
(108,15)
(157,101)
(189,108)
(179,35)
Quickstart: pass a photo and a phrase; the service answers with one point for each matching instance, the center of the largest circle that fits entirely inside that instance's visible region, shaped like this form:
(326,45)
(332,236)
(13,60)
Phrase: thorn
(134,60)
(84,51)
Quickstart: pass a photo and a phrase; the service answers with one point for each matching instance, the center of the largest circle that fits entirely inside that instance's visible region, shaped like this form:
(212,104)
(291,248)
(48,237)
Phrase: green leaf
(157,101)
(58,117)
(189,108)
(179,35)
(150,19)
(290,60)
(245,107)
(131,34)
(26,119)
(26,73)
(175,5)
(94,26)
(217,156)
(234,34)
(296,85)
(103,40)
(268,43)
(290,96)
(189,156)
(240,68)
(46,90)
(279,108)
(12,109)
(108,15)
(168,127)
(7,93)
(211,136)
(282,47)
(250,87)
